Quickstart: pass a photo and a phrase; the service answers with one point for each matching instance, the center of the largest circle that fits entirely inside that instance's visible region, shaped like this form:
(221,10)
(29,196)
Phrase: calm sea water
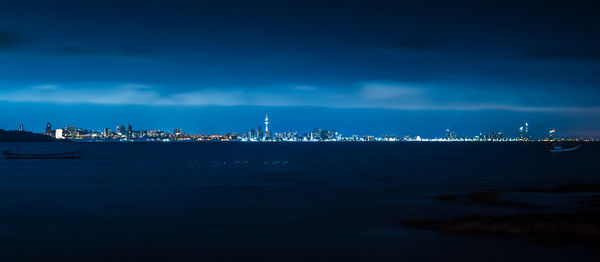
(275,201)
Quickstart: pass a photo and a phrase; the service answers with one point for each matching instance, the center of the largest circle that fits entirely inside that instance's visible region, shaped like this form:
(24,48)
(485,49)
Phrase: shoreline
(283,141)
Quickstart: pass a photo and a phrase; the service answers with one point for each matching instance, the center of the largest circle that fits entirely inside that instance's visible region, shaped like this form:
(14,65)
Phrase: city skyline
(126,132)
(371,122)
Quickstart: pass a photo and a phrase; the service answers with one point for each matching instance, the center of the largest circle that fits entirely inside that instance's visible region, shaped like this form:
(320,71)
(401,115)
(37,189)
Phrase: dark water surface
(276,201)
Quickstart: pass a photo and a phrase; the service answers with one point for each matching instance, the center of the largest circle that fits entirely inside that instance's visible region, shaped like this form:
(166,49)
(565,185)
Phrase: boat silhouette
(556,148)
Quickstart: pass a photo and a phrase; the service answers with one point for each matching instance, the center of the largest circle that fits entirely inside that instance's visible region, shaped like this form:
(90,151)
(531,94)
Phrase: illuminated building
(59,134)
(524,132)
(49,129)
(121,130)
(328,135)
(315,134)
(129,131)
(450,135)
(266,126)
(521,133)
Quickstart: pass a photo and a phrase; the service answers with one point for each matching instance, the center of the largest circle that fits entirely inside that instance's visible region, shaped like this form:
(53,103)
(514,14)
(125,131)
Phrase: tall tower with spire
(266,125)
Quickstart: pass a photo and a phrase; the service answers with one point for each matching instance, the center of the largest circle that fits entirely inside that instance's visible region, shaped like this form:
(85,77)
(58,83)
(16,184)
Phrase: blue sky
(367,67)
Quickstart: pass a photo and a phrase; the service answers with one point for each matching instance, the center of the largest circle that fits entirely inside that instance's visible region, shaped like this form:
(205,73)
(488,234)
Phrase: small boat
(64,155)
(560,148)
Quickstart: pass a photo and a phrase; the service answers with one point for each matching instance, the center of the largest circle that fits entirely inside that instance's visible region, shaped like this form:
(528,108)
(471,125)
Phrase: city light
(126,133)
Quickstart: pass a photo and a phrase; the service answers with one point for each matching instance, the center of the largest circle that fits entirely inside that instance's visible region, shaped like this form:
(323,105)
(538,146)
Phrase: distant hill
(23,136)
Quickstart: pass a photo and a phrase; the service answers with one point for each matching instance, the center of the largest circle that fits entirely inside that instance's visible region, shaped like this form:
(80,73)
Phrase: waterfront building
(328,135)
(49,129)
(551,134)
(389,138)
(369,138)
(59,134)
(129,131)
(259,132)
(450,135)
(315,134)
(121,130)
(524,132)
(521,135)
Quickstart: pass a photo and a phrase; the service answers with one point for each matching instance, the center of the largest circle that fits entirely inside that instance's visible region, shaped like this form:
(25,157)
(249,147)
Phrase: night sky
(361,67)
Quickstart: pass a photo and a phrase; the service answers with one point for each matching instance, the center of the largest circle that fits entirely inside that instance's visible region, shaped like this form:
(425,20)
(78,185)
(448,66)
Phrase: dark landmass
(581,224)
(546,227)
(23,136)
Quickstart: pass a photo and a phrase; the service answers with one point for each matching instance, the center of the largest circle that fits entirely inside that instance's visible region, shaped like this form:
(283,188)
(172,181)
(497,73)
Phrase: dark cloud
(566,53)
(10,39)
(124,51)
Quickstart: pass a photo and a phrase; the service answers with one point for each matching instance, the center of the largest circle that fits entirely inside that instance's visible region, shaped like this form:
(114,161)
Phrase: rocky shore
(583,223)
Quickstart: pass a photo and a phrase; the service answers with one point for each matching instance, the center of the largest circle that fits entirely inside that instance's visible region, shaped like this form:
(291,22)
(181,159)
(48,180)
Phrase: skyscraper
(49,129)
(266,125)
(316,134)
(122,130)
(129,131)
(450,135)
(521,135)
